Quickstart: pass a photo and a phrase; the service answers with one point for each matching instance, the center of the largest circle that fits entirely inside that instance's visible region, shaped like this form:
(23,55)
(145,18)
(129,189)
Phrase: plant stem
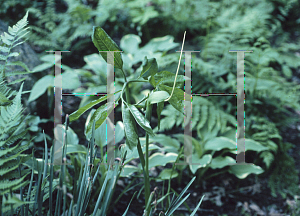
(147,182)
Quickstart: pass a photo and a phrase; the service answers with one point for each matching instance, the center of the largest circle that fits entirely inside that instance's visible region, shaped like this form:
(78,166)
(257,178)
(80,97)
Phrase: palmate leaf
(103,42)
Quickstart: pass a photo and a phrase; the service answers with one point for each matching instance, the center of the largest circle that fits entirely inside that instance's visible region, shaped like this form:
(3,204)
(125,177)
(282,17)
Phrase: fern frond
(12,39)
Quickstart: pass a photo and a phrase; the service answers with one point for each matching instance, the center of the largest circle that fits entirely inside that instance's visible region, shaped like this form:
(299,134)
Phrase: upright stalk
(147,182)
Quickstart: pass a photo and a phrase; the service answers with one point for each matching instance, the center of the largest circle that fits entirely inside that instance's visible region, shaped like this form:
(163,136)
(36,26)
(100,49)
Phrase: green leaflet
(141,119)
(100,116)
(103,42)
(75,115)
(158,96)
(150,68)
(130,133)
(177,99)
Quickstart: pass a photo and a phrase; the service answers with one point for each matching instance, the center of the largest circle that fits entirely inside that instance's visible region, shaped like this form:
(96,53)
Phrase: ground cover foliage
(149,129)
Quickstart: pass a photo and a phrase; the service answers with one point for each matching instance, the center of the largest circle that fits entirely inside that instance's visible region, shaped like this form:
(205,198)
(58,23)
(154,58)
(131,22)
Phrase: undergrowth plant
(131,113)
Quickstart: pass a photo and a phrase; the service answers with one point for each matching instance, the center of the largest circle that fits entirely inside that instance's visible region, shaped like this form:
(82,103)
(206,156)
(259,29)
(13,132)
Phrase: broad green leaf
(130,133)
(220,162)
(150,68)
(103,42)
(75,115)
(199,162)
(119,135)
(41,86)
(160,159)
(177,99)
(96,63)
(197,145)
(220,143)
(158,96)
(72,137)
(100,133)
(243,170)
(169,144)
(130,43)
(128,170)
(160,107)
(253,146)
(50,58)
(76,149)
(161,44)
(70,80)
(141,119)
(43,66)
(165,174)
(132,154)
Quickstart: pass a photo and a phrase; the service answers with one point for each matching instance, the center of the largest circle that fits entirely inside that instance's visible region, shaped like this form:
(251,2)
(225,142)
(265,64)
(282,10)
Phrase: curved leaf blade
(130,133)
(103,42)
(141,119)
(158,96)
(177,99)
(75,115)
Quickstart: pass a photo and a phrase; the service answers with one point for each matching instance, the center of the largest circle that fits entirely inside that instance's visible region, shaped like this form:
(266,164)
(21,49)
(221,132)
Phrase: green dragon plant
(130,112)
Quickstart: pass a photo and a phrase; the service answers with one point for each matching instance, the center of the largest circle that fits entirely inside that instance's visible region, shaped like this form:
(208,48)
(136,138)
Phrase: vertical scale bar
(240,157)
(110,107)
(188,147)
(188,135)
(240,135)
(57,107)
(57,90)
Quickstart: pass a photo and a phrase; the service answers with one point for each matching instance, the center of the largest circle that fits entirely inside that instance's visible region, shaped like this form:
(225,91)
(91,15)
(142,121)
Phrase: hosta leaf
(41,86)
(160,159)
(130,133)
(141,119)
(103,42)
(165,174)
(220,162)
(130,43)
(158,96)
(128,170)
(243,170)
(199,162)
(150,68)
(220,143)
